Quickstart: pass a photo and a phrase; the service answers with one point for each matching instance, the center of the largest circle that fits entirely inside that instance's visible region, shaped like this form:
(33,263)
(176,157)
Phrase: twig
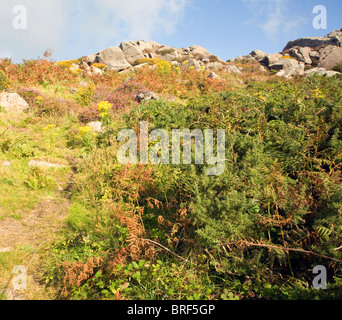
(166,249)
(249,244)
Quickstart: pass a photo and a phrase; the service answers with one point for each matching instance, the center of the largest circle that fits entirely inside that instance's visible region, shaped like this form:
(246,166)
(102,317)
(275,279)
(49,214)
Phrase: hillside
(98,202)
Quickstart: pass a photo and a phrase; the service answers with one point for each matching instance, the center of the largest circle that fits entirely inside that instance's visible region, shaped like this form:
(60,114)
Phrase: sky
(227,28)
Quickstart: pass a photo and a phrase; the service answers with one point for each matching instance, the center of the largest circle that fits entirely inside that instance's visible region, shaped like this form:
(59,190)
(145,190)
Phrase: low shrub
(5,84)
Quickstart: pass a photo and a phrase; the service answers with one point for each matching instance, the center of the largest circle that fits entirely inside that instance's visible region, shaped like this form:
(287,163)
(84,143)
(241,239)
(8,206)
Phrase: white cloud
(71,26)
(277,16)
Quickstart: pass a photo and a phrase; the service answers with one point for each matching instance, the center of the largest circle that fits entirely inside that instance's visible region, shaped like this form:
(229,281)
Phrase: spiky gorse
(5,84)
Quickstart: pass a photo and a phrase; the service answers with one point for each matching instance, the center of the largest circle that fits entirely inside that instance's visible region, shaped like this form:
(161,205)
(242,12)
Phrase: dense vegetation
(172,231)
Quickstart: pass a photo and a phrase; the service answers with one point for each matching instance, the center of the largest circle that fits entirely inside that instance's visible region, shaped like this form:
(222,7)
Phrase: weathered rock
(199,51)
(114,58)
(146,96)
(132,51)
(301,54)
(321,71)
(284,64)
(213,75)
(311,42)
(233,69)
(95,71)
(96,126)
(258,55)
(332,59)
(194,63)
(271,59)
(292,71)
(12,102)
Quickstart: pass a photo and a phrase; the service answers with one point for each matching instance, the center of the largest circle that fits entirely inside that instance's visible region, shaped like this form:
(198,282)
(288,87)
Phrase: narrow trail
(35,233)
(30,219)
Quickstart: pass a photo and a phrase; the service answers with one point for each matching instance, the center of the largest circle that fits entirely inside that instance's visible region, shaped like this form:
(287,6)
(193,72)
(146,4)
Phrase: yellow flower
(84,130)
(50,126)
(103,108)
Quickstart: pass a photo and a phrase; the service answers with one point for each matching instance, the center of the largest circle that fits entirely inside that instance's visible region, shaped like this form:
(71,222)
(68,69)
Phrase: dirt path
(34,233)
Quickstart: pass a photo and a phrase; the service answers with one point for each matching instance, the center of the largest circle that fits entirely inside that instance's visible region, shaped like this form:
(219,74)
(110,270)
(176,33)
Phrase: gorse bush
(84,95)
(173,232)
(5,84)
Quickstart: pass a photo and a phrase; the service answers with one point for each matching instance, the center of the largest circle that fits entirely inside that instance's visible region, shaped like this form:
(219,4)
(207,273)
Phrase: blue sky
(227,28)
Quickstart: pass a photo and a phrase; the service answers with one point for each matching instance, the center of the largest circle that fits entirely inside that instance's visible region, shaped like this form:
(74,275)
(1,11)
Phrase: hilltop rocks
(312,42)
(302,54)
(126,56)
(12,102)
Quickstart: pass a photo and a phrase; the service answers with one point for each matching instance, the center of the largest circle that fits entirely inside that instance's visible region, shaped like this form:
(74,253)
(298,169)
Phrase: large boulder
(332,59)
(258,55)
(271,59)
(302,54)
(132,51)
(284,64)
(12,102)
(114,58)
(292,71)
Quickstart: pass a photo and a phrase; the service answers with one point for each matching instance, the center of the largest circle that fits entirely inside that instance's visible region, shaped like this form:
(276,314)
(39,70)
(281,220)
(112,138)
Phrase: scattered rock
(146,96)
(321,71)
(213,75)
(44,164)
(12,102)
(6,164)
(96,126)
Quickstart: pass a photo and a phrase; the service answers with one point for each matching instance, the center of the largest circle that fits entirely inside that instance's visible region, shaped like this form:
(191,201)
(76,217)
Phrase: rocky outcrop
(126,56)
(322,54)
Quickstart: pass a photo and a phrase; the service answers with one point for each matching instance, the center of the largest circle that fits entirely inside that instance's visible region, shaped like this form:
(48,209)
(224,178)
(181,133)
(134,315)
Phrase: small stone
(44,164)
(6,164)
